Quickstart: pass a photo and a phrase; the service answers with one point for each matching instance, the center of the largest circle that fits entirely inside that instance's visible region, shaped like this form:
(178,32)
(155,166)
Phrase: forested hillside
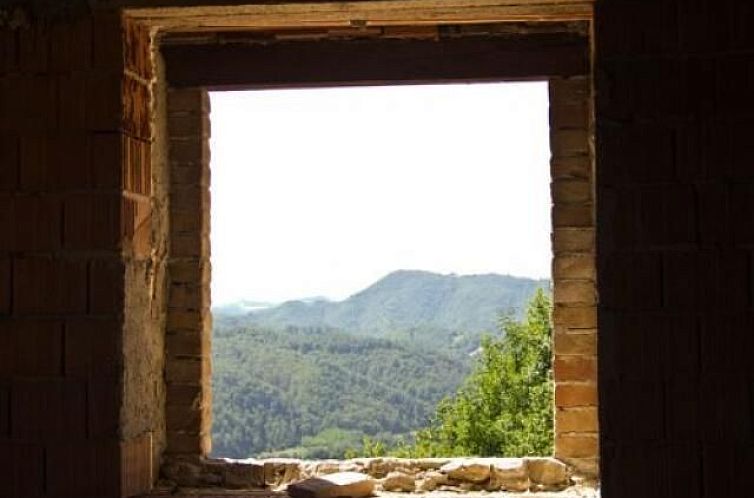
(311,378)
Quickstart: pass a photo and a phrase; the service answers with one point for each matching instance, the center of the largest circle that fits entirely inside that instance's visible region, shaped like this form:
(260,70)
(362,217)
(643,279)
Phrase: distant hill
(314,392)
(309,378)
(409,299)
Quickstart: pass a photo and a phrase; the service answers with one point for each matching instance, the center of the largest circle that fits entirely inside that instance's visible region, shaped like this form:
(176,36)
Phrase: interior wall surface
(675,118)
(80,343)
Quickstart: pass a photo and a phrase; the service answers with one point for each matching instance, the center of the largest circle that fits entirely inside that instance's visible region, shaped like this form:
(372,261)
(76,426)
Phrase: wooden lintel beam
(375,61)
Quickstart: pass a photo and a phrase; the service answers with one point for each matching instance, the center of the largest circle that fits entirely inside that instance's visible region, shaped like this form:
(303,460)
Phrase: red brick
(23,470)
(189,125)
(136,465)
(138,49)
(92,221)
(34,164)
(49,286)
(137,226)
(31,348)
(108,40)
(72,110)
(45,410)
(183,394)
(106,285)
(103,409)
(575,446)
(31,103)
(104,110)
(577,368)
(33,49)
(137,167)
(107,160)
(71,168)
(8,51)
(573,216)
(187,100)
(187,343)
(575,395)
(83,469)
(137,108)
(9,162)
(4,412)
(91,348)
(191,444)
(5,286)
(37,221)
(71,46)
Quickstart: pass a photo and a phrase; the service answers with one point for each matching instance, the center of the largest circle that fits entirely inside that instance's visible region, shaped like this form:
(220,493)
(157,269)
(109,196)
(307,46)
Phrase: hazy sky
(321,192)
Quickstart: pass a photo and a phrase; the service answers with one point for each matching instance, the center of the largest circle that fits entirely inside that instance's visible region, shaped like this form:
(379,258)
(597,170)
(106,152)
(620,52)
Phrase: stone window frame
(188,323)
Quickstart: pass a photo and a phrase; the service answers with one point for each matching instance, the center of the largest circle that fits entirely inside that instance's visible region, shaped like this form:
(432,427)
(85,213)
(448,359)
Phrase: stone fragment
(243,474)
(508,474)
(281,471)
(399,481)
(431,480)
(337,485)
(380,467)
(468,470)
(431,463)
(547,473)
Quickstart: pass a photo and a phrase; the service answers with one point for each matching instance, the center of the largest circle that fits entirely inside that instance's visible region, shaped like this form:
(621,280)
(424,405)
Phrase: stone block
(338,485)
(469,470)
(280,471)
(508,474)
(243,474)
(547,473)
(431,480)
(569,142)
(399,481)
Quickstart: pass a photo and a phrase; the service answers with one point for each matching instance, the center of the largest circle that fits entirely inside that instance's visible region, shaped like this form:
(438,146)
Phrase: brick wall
(73,204)
(573,274)
(189,322)
(676,196)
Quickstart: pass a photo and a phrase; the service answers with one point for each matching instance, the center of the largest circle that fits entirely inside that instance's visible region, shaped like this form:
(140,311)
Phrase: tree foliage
(505,407)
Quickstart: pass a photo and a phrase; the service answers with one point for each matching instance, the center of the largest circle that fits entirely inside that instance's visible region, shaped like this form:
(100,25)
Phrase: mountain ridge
(407,299)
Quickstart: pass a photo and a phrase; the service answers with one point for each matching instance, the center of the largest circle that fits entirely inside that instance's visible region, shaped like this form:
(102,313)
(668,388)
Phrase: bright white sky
(321,192)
